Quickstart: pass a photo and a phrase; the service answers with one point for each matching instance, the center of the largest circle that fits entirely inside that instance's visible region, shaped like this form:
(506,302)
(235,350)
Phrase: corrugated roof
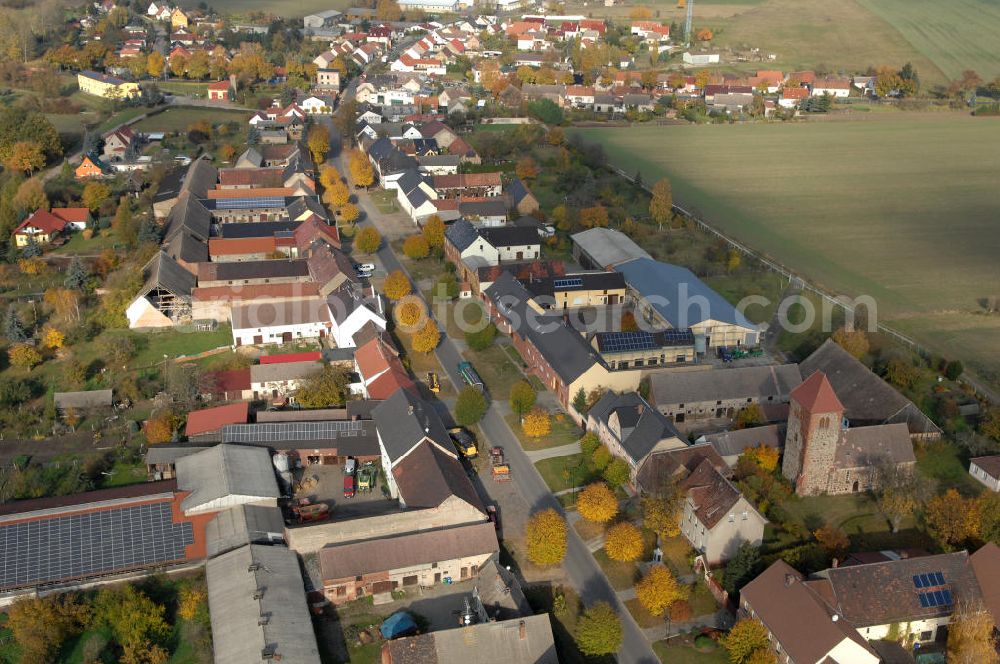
(244,627)
(226,470)
(242,525)
(688,387)
(608,247)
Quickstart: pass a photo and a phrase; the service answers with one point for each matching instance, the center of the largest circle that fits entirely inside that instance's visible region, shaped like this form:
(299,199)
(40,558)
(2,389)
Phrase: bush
(482,339)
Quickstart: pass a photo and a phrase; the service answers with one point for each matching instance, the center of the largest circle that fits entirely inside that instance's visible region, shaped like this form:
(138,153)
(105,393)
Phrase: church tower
(814,430)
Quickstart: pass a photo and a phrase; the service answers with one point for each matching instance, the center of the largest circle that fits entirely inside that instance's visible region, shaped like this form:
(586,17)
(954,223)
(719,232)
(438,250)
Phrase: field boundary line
(773,265)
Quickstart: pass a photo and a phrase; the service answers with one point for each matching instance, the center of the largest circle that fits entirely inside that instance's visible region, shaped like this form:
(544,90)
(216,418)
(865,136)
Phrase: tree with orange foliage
(952,519)
(623,542)
(832,539)
(427,339)
(52,338)
(409,312)
(24,156)
(349,212)
(526,168)
(537,423)
(361,169)
(597,503)
(765,457)
(397,285)
(704,34)
(628,323)
(160,427)
(594,217)
(855,342)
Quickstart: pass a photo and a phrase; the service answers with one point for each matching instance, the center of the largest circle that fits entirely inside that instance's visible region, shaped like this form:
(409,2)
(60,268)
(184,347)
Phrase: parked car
(364,267)
(350,466)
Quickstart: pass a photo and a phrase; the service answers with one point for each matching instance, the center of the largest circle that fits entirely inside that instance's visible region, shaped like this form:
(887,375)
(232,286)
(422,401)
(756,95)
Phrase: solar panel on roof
(917,582)
(940,578)
(284,431)
(923,600)
(573,282)
(947,597)
(74,546)
(939,597)
(250,203)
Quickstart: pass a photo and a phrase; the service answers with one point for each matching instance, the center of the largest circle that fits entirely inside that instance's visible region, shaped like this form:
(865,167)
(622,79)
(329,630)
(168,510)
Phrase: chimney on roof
(835,617)
(789,579)
(522,631)
(409,410)
(834,563)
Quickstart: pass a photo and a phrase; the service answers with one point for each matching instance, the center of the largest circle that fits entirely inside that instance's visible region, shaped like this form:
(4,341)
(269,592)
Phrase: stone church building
(823,454)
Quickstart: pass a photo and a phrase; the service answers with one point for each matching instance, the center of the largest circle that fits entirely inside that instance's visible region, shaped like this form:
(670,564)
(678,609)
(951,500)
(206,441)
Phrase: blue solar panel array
(675,337)
(250,203)
(928,580)
(936,598)
(574,282)
(617,342)
(90,544)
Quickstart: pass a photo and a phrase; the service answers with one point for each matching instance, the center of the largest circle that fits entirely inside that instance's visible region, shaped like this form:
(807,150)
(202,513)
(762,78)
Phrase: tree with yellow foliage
(362,173)
(623,542)
(349,212)
(409,312)
(537,423)
(368,240)
(433,231)
(190,601)
(765,457)
(397,285)
(951,519)
(24,156)
(53,338)
(337,194)
(662,513)
(748,642)
(855,342)
(597,503)
(970,635)
(388,10)
(328,176)
(526,168)
(545,537)
(31,266)
(416,247)
(318,141)
(658,590)
(23,356)
(427,339)
(155,64)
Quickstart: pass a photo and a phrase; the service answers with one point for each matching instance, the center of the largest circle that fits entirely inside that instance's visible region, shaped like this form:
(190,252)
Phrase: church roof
(816,395)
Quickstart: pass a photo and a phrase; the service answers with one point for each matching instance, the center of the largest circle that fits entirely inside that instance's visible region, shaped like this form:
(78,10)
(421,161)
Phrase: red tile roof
(230,380)
(234,246)
(311,356)
(253,291)
(213,419)
(816,395)
(44,221)
(77,214)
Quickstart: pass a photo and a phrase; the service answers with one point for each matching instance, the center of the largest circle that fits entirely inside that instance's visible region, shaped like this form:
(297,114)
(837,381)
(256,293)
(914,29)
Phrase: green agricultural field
(288,9)
(955,35)
(179,119)
(901,207)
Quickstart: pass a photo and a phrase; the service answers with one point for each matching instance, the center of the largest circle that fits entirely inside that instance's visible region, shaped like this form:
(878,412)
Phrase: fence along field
(902,207)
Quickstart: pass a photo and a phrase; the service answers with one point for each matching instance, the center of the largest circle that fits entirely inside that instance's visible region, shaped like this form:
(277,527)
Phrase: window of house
(639,363)
(744,515)
(926,636)
(750,400)
(732,517)
(434,565)
(680,405)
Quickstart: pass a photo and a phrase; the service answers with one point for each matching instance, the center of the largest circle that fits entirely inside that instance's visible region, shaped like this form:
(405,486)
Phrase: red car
(348,486)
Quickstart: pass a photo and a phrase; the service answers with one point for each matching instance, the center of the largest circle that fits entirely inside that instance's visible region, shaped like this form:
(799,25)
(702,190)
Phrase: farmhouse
(165,297)
(687,395)
(280,321)
(717,519)
(631,428)
(224,476)
(986,470)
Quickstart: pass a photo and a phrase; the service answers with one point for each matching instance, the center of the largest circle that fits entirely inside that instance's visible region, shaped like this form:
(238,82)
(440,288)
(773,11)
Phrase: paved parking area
(329,488)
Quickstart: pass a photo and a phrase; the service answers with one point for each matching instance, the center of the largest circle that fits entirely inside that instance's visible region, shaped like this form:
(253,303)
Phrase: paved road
(582,570)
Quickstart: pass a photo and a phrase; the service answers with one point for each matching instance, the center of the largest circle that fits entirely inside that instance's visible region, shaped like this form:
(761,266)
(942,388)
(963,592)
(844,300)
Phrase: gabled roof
(564,349)
(660,466)
(734,443)
(164,273)
(642,426)
(664,284)
(867,399)
(44,221)
(427,477)
(510,236)
(209,420)
(404,419)
(816,395)
(226,470)
(608,247)
(201,177)
(712,496)
(686,387)
(461,234)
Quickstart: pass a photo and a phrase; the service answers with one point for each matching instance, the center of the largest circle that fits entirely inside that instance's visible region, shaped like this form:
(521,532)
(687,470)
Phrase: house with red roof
(221,90)
(792,97)
(206,424)
(380,369)
(91,166)
(40,228)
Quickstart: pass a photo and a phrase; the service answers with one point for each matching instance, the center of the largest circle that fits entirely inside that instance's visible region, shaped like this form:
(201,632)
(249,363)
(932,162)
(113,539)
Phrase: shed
(83,400)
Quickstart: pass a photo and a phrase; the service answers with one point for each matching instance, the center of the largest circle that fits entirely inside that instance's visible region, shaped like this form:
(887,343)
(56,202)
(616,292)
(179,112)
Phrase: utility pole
(687,23)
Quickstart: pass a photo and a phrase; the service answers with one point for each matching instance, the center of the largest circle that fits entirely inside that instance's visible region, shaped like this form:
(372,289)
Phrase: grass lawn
(496,369)
(178,119)
(855,514)
(425,268)
(563,433)
(621,575)
(174,342)
(676,553)
(643,617)
(125,473)
(189,88)
(78,245)
(702,601)
(386,202)
(561,473)
(943,462)
(672,652)
(419,363)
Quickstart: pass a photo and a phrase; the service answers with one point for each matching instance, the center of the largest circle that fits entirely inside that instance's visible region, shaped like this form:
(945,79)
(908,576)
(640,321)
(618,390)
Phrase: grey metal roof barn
(526,640)
(257,602)
(606,248)
(688,387)
(226,475)
(83,400)
(667,287)
(242,525)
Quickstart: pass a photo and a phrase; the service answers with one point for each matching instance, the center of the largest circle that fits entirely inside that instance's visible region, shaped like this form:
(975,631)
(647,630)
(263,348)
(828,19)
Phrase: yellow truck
(464,442)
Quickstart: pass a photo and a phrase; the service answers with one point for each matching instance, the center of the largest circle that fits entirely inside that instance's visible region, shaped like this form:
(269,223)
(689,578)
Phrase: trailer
(311,512)
(469,375)
(499,468)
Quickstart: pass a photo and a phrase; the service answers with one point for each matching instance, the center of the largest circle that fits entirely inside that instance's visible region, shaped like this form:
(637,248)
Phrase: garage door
(410,580)
(382,587)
